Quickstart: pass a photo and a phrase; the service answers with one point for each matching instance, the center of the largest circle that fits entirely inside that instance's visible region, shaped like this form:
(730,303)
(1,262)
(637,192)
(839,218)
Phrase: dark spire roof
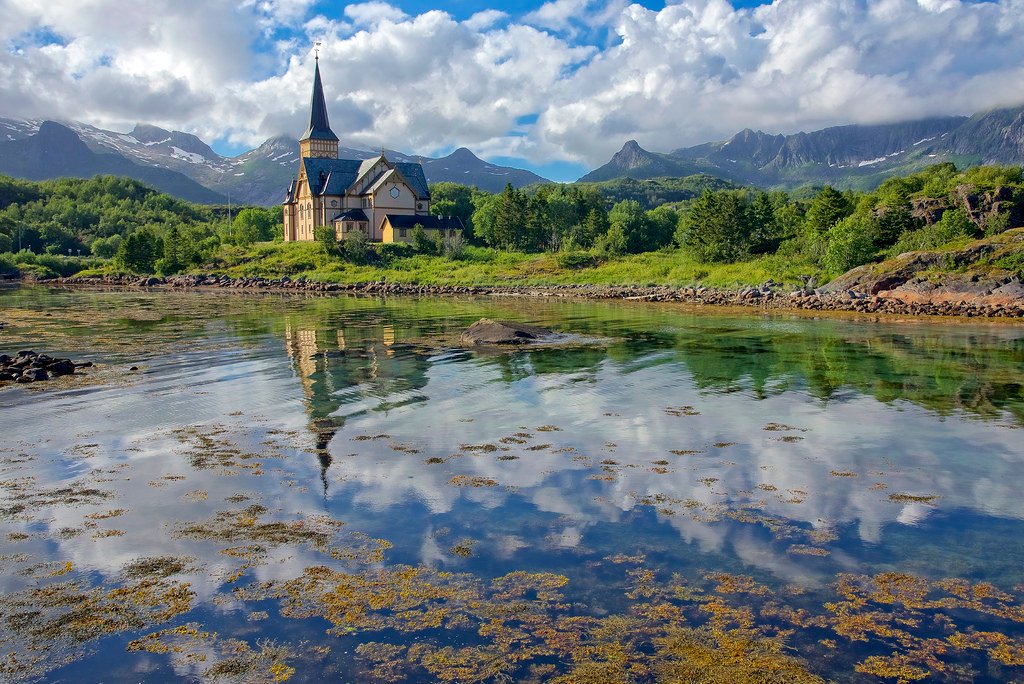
(319,126)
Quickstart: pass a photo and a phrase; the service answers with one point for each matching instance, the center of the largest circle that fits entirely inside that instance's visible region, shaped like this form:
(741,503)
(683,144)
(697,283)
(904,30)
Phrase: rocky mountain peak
(146,133)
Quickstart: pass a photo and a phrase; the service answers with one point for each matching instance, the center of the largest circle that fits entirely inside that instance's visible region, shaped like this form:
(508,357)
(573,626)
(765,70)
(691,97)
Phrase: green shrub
(1012,262)
(327,237)
(37,270)
(575,259)
(7,265)
(453,247)
(953,225)
(392,251)
(421,242)
(850,244)
(356,248)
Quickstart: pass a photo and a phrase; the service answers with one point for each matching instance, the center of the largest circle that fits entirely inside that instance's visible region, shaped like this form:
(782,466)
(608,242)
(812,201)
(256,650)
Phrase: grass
(484,266)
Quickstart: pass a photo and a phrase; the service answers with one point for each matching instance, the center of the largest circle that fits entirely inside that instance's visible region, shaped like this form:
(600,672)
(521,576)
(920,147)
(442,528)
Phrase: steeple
(318,140)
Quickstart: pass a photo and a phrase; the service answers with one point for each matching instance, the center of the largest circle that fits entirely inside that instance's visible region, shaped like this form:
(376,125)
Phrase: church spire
(319,126)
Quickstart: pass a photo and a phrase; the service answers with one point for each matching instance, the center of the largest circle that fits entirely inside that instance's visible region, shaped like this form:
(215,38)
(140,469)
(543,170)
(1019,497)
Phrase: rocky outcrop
(485,332)
(28,366)
(962,278)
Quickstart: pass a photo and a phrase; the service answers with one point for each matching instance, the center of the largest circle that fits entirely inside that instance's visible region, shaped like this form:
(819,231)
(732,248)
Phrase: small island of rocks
(28,366)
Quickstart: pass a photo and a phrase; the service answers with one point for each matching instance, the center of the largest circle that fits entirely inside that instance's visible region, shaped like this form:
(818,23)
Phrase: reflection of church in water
(361,368)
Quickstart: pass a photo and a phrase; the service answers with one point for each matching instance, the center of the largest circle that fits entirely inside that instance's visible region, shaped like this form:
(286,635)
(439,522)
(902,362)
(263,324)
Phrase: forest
(110,224)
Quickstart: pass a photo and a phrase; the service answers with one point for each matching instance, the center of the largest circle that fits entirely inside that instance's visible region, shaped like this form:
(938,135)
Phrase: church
(381,199)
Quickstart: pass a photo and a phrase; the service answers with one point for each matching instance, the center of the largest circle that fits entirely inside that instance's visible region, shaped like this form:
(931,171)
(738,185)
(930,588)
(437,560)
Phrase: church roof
(319,126)
(335,176)
(330,176)
(353,215)
(413,172)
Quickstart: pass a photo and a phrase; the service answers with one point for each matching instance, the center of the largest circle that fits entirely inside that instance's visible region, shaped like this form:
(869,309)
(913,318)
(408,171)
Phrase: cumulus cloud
(485,19)
(593,73)
(373,13)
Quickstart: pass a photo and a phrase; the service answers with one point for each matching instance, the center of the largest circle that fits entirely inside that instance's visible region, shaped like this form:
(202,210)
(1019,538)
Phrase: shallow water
(332,487)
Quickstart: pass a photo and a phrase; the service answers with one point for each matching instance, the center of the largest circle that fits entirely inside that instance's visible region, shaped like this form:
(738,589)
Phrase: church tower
(318,140)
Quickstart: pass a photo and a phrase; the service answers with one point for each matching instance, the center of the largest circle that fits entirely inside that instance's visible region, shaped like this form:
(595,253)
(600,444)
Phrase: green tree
(485,210)
(850,243)
(356,247)
(255,224)
(715,228)
(328,239)
(453,199)
(105,247)
(890,222)
(138,251)
(509,229)
(630,228)
(661,223)
(583,235)
(828,208)
(173,260)
(766,230)
(420,242)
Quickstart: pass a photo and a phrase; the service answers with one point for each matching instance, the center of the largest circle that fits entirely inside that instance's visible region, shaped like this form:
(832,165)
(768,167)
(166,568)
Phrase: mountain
(55,150)
(462,166)
(635,162)
(844,156)
(259,176)
(996,137)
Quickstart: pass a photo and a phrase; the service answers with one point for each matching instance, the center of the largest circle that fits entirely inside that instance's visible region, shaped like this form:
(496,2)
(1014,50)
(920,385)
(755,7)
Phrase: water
(332,488)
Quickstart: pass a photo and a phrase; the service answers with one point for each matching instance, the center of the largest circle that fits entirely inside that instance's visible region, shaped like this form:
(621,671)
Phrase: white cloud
(692,71)
(485,19)
(374,13)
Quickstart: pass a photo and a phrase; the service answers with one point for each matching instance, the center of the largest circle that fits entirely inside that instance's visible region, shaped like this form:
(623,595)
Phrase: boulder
(486,331)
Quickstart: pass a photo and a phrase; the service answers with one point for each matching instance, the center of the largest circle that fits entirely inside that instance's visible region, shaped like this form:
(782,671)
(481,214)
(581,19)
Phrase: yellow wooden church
(382,199)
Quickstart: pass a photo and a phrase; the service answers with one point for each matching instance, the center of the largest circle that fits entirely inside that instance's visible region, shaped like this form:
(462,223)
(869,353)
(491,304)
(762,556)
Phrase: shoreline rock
(28,366)
(1004,300)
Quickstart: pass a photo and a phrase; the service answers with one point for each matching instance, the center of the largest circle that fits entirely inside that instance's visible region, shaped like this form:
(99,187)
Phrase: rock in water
(486,331)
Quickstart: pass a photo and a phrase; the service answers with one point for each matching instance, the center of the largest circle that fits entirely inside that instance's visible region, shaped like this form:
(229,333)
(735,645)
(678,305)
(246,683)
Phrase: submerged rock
(486,331)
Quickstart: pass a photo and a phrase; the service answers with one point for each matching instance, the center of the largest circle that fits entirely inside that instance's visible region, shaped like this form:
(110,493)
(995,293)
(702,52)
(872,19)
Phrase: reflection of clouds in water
(155,505)
(842,450)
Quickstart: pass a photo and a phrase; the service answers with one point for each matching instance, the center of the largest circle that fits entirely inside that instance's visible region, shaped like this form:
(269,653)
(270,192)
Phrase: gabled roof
(341,174)
(289,196)
(330,176)
(319,126)
(413,174)
(390,174)
(368,164)
(428,222)
(353,215)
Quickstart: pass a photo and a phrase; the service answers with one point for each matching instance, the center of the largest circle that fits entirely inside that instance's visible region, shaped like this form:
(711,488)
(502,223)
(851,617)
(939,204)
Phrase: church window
(401,232)
(395,192)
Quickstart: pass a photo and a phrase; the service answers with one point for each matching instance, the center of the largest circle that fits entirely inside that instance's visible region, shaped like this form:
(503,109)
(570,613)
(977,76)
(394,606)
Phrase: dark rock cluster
(28,366)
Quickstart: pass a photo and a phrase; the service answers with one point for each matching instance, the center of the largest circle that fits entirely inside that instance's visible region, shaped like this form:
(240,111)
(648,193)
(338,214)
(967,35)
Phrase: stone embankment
(28,366)
(989,299)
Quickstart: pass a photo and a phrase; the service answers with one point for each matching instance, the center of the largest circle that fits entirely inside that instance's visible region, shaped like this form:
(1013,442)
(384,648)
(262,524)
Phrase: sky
(556,87)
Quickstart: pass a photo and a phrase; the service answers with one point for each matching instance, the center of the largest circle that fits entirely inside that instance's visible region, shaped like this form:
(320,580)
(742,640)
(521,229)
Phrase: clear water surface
(333,489)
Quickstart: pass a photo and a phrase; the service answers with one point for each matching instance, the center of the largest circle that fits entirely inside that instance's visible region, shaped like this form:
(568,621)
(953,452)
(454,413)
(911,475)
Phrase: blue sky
(553,86)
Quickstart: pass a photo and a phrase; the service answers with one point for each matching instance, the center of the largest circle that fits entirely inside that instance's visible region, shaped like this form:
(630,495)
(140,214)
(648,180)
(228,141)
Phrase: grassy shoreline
(482,266)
